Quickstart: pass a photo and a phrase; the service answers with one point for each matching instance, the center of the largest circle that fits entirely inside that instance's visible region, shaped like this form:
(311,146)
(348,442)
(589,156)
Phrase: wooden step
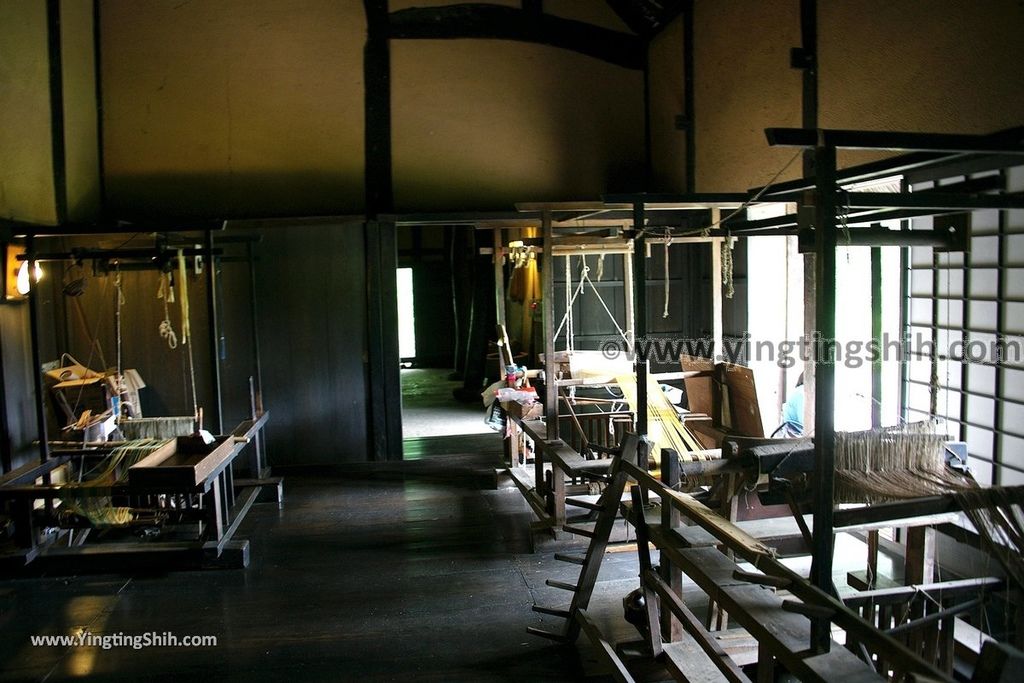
(762,579)
(561,584)
(571,462)
(553,611)
(558,637)
(571,559)
(536,430)
(578,531)
(688,662)
(619,671)
(585,504)
(588,518)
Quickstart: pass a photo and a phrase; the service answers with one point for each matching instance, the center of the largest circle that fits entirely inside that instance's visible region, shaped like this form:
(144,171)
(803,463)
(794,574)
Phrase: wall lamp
(17,273)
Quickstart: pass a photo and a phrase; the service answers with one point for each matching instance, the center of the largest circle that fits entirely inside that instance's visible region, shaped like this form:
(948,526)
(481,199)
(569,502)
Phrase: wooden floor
(408,571)
(393,579)
(430,410)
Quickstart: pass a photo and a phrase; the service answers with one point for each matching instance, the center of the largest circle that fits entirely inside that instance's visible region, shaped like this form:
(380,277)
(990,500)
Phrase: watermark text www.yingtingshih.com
(134,641)
(815,348)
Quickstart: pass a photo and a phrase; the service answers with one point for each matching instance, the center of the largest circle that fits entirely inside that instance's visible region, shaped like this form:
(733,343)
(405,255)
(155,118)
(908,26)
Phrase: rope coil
(166,292)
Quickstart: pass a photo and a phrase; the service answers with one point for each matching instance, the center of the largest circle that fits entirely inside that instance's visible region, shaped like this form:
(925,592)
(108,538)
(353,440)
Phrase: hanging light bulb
(23,283)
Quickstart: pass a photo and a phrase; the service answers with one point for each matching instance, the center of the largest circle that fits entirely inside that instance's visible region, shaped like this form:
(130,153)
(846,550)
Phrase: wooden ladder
(607,508)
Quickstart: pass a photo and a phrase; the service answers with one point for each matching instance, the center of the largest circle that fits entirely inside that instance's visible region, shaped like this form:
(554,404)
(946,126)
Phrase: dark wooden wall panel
(237,363)
(311,308)
(312,296)
(164,370)
(689,297)
(19,419)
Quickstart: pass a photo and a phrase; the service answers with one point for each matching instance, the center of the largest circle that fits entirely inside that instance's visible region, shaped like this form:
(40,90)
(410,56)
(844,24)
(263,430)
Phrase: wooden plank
(919,561)
(688,662)
(915,521)
(728,533)
(715,566)
(882,512)
(751,551)
(671,626)
(760,611)
(940,591)
(524,482)
(847,668)
(708,644)
(185,462)
(651,606)
(618,669)
(246,499)
(536,430)
(585,502)
(571,462)
(30,471)
(770,531)
(652,516)
(700,391)
(744,411)
(247,429)
(695,537)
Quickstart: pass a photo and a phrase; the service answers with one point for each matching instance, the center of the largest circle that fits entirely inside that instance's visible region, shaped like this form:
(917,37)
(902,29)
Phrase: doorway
(443,282)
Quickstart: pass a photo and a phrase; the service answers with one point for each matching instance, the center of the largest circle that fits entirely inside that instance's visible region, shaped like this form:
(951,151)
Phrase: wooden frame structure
(687,217)
(190,483)
(201,489)
(798,632)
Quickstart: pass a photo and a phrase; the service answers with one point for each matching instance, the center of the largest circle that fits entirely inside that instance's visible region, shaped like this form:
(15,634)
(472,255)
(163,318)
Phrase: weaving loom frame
(223,502)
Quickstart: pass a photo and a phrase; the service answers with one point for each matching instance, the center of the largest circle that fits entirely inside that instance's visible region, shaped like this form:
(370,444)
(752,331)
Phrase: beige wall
(485,124)
(667,101)
(26,165)
(921,65)
(81,141)
(256,107)
(916,65)
(233,106)
(743,84)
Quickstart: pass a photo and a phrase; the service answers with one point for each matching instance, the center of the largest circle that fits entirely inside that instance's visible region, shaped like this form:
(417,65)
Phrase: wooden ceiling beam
(480,20)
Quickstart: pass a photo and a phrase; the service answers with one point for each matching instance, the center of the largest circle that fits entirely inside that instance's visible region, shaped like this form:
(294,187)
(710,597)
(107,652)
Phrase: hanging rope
(183,285)
(186,328)
(600,267)
(570,334)
(166,292)
(118,304)
(668,241)
(565,318)
(727,279)
(586,278)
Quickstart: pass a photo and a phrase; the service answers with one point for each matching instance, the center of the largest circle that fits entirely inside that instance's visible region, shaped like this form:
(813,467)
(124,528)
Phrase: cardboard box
(519,412)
